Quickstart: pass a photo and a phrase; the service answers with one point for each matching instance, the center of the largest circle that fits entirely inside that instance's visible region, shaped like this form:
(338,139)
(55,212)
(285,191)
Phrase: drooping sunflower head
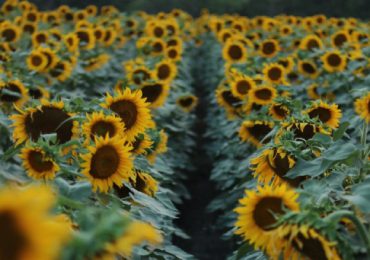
(166,71)
(142,182)
(108,162)
(240,85)
(187,103)
(29,231)
(255,132)
(311,42)
(287,63)
(334,61)
(37,164)
(227,100)
(269,48)
(99,125)
(141,144)
(13,93)
(234,52)
(258,215)
(61,71)
(279,111)
(39,93)
(86,38)
(362,107)
(308,68)
(301,130)
(140,75)
(155,93)
(301,241)
(262,95)
(131,107)
(328,114)
(47,118)
(274,73)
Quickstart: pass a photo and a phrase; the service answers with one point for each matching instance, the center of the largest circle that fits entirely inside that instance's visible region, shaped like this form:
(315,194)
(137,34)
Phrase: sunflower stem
(336,216)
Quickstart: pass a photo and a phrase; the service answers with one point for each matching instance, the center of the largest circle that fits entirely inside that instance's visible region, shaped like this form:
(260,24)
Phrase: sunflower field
(99,124)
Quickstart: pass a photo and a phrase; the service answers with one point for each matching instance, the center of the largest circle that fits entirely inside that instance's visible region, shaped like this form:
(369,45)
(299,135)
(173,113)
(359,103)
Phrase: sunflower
(47,118)
(10,32)
(155,93)
(51,57)
(140,75)
(262,95)
(158,46)
(39,38)
(98,124)
(308,68)
(274,73)
(258,213)
(362,107)
(269,48)
(14,93)
(301,130)
(234,52)
(226,99)
(278,111)
(37,61)
(272,165)
(29,231)
(96,62)
(86,38)
(304,242)
(187,103)
(255,131)
(136,233)
(312,91)
(311,42)
(39,93)
(141,144)
(328,114)
(340,38)
(38,164)
(334,61)
(110,37)
(142,182)
(287,63)
(240,85)
(61,71)
(165,71)
(173,53)
(29,28)
(108,162)
(132,109)
(159,147)
(71,40)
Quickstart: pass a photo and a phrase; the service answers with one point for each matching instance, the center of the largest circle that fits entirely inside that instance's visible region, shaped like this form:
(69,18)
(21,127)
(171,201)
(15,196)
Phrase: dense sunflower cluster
(95,129)
(288,123)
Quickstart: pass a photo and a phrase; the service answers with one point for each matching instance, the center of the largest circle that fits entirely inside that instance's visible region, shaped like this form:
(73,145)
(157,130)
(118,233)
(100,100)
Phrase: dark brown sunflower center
(268,48)
(230,99)
(12,239)
(140,183)
(158,32)
(307,67)
(280,111)
(172,54)
(266,210)
(127,110)
(108,36)
(307,133)
(163,71)
(322,113)
(35,93)
(157,47)
(243,87)
(41,38)
(9,35)
(172,42)
(235,52)
(57,70)
(11,97)
(152,92)
(339,40)
(284,63)
(102,128)
(83,36)
(38,163)
(259,131)
(310,247)
(334,60)
(275,73)
(31,17)
(140,76)
(279,164)
(264,94)
(368,106)
(49,120)
(30,28)
(312,44)
(186,102)
(105,162)
(36,60)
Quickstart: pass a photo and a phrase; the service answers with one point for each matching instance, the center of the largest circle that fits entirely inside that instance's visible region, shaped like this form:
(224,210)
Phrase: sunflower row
(95,110)
(288,123)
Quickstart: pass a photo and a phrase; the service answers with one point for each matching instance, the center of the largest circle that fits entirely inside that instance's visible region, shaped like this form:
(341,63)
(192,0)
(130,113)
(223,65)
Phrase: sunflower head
(10,33)
(269,48)
(274,73)
(311,42)
(328,114)
(362,107)
(131,107)
(262,95)
(334,61)
(308,68)
(108,162)
(234,52)
(155,93)
(141,144)
(258,215)
(279,111)
(166,71)
(241,85)
(187,103)
(255,131)
(340,38)
(227,100)
(13,93)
